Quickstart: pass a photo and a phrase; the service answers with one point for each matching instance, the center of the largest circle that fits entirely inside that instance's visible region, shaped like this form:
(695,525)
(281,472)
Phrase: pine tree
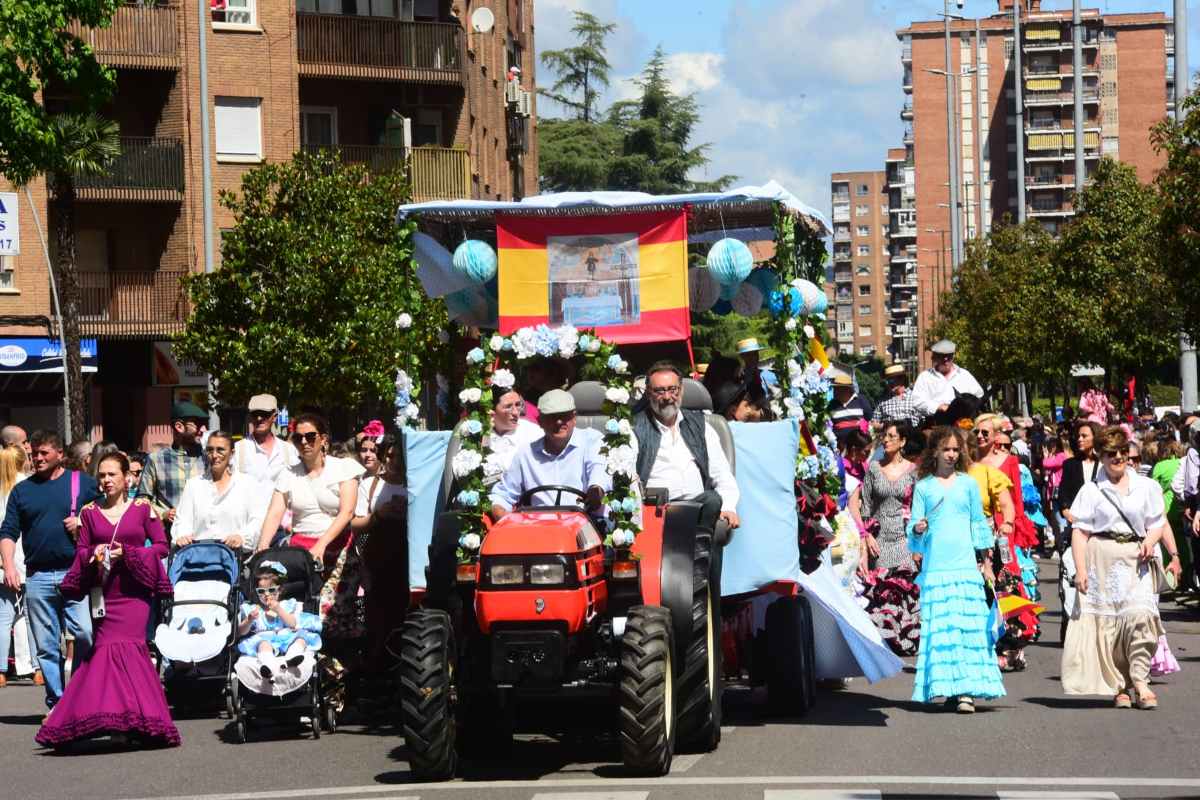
(583,69)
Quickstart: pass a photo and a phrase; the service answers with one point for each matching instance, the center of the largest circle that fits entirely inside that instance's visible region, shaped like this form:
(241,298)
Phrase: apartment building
(1126,79)
(421,85)
(859,322)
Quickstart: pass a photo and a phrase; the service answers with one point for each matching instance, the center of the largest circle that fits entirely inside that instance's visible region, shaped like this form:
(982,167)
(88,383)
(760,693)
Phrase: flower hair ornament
(374,430)
(275,567)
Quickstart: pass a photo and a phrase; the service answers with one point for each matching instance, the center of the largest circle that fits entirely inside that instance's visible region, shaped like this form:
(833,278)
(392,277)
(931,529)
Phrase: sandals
(1145,699)
(1122,700)
(966,705)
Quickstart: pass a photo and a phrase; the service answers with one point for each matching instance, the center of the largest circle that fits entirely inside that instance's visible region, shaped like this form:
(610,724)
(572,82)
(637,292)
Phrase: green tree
(657,156)
(1123,305)
(38,53)
(1178,186)
(314,278)
(868,370)
(86,145)
(574,155)
(583,69)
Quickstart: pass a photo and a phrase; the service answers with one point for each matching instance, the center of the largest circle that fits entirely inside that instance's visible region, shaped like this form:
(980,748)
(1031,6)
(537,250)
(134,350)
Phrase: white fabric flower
(470,541)
(622,460)
(615,394)
(403,382)
(622,537)
(496,342)
(470,396)
(789,324)
(809,332)
(465,462)
(503,378)
(525,343)
(404,320)
(411,411)
(624,428)
(794,407)
(568,341)
(593,345)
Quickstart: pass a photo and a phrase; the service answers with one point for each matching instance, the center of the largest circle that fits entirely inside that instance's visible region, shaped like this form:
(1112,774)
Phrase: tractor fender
(677,569)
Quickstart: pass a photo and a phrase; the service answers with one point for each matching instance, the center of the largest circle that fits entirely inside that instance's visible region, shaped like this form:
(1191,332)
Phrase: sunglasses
(265,591)
(309,438)
(1118,458)
(261,415)
(1002,445)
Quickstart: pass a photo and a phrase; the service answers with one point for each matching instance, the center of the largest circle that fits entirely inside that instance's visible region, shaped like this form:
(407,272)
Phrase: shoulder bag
(1163,580)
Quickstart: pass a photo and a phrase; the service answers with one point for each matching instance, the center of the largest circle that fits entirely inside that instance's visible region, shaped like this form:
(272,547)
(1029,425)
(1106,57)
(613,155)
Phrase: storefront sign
(36,354)
(167,370)
(10,228)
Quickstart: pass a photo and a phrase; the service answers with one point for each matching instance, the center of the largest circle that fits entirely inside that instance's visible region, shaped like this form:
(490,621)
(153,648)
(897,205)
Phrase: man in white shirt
(940,385)
(262,455)
(679,451)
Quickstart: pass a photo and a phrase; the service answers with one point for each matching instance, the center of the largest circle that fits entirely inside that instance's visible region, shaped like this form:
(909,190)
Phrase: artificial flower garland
(475,462)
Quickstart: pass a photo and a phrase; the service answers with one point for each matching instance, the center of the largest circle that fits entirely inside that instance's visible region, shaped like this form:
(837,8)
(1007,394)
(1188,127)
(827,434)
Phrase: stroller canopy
(204,561)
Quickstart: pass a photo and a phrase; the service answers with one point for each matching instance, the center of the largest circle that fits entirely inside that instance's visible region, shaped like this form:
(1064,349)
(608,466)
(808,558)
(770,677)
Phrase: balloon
(730,261)
(475,261)
(703,289)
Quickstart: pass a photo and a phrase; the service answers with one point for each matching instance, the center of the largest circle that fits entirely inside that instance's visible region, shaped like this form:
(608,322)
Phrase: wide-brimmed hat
(842,379)
(748,346)
(895,371)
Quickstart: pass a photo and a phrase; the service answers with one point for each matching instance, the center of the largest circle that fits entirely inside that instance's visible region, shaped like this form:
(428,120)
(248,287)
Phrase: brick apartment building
(858,296)
(1126,79)
(391,83)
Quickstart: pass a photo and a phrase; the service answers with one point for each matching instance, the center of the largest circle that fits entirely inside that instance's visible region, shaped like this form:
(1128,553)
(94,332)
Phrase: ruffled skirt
(955,658)
(1164,662)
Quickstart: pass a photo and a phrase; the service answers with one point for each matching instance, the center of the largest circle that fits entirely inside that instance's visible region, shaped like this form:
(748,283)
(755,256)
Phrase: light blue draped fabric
(426,454)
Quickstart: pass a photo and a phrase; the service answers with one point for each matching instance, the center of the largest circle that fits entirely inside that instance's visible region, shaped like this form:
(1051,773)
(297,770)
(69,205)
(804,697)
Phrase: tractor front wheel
(426,695)
(791,656)
(647,704)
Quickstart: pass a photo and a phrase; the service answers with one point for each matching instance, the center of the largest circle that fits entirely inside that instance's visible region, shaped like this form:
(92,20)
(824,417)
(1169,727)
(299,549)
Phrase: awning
(35,354)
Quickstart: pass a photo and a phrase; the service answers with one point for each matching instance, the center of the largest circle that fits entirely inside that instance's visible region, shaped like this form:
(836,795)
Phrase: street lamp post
(956,205)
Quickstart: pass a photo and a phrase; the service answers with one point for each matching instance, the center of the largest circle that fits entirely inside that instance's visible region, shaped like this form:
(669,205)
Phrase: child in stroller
(276,632)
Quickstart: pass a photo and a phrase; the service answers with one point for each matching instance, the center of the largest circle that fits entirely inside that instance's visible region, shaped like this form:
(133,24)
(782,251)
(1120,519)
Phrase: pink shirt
(1053,466)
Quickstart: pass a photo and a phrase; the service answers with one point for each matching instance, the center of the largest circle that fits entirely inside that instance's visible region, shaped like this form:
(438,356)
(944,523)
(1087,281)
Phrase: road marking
(822,794)
(1056,795)
(670,781)
(591,796)
(684,763)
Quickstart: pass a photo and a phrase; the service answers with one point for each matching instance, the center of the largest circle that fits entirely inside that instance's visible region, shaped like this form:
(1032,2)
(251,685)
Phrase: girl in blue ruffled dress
(277,632)
(952,537)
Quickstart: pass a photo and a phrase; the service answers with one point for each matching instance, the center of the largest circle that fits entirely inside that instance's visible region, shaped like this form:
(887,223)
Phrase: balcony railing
(376,158)
(132,304)
(148,169)
(436,173)
(1033,98)
(336,45)
(141,36)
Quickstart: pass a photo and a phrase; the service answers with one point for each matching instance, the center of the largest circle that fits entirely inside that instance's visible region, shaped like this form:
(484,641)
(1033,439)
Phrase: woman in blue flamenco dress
(950,534)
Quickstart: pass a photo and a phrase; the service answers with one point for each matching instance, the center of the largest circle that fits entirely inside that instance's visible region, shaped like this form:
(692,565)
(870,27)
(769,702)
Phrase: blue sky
(788,89)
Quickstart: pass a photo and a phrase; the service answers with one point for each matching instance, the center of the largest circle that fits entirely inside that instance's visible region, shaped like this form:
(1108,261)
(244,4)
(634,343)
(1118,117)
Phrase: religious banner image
(625,275)
(594,280)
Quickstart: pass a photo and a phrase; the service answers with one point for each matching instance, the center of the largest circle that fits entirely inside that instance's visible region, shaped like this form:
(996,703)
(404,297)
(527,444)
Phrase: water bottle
(1002,544)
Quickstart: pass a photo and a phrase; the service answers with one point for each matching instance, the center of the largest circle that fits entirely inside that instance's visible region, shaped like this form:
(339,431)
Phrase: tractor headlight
(546,574)
(506,574)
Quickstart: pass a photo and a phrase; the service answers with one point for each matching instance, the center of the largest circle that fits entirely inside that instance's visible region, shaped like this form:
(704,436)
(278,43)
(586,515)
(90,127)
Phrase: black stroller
(302,696)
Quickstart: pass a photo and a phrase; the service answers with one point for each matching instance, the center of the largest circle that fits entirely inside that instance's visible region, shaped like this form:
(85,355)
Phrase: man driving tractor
(564,456)
(677,450)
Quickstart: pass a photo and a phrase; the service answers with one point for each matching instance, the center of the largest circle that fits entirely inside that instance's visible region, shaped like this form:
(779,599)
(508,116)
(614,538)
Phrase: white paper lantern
(810,294)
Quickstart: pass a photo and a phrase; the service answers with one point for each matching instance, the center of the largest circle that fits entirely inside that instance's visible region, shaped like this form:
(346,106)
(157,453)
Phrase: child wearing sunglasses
(276,631)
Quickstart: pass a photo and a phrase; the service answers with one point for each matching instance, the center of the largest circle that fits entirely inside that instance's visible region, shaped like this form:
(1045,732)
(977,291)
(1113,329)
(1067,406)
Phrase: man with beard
(679,451)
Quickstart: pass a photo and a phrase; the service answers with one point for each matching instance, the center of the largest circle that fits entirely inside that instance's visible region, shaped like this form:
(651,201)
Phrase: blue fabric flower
(629,505)
(475,356)
(584,341)
(614,361)
(468,498)
(611,426)
(473,427)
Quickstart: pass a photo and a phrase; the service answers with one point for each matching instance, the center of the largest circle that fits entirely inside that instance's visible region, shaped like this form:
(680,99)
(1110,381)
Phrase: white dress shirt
(505,446)
(1143,506)
(676,470)
(249,458)
(933,389)
(204,513)
(579,465)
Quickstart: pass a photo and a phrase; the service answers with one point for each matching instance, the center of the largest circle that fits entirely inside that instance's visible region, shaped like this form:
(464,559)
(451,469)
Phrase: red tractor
(548,614)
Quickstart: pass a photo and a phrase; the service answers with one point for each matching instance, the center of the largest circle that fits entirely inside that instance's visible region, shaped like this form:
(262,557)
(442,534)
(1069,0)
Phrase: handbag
(1163,581)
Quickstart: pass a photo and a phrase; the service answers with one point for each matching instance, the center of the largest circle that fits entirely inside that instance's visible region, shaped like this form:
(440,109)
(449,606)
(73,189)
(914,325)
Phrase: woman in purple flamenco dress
(116,691)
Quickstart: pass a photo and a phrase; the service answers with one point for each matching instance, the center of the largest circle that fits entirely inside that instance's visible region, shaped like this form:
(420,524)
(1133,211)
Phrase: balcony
(142,36)
(1169,40)
(1065,70)
(378,48)
(436,173)
(1059,98)
(906,113)
(147,170)
(1049,181)
(1049,209)
(908,134)
(132,304)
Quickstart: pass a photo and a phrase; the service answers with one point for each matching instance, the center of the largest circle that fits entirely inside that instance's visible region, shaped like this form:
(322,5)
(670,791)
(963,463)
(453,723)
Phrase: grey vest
(691,427)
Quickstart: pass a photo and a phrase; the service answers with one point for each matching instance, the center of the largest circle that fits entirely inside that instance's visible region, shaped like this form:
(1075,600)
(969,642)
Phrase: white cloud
(690,72)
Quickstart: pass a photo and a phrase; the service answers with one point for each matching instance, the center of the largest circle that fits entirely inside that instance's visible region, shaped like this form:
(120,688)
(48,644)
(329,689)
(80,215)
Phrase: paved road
(866,742)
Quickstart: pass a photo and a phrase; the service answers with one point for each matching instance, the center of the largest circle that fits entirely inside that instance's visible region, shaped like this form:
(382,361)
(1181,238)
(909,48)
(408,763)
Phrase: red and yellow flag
(623,274)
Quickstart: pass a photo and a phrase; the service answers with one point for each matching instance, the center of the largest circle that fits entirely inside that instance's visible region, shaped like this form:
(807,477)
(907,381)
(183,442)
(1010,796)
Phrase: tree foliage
(1178,186)
(583,69)
(314,278)
(576,155)
(37,53)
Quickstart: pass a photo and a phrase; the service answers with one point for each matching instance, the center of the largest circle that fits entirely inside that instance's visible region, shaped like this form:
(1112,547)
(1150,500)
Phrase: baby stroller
(295,694)
(1066,587)
(197,627)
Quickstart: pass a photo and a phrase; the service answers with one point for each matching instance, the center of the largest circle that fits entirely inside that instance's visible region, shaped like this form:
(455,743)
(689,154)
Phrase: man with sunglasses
(938,387)
(168,470)
(262,455)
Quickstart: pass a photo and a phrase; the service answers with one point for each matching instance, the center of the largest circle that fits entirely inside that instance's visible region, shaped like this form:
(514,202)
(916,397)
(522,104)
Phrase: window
(239,129)
(862,211)
(864,290)
(864,230)
(7,264)
(862,269)
(358,8)
(236,12)
(318,126)
(864,249)
(867,350)
(864,311)
(863,190)
(864,330)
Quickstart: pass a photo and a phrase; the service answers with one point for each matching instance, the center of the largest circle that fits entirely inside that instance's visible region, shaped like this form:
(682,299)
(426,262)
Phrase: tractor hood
(550,532)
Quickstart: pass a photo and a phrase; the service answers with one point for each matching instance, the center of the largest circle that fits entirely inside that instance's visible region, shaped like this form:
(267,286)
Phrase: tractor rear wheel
(700,674)
(427,714)
(791,656)
(647,703)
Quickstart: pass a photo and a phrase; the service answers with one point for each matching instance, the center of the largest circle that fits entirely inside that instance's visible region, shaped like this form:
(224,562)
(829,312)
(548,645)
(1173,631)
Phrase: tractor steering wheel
(527,496)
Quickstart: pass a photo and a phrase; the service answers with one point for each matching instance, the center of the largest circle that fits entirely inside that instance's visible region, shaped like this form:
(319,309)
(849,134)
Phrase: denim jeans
(8,612)
(48,612)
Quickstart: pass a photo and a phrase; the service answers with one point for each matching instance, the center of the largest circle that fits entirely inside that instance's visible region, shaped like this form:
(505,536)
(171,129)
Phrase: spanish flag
(623,274)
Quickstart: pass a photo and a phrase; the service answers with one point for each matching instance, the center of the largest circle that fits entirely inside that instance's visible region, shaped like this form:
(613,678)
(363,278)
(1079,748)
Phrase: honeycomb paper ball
(475,261)
(810,295)
(730,261)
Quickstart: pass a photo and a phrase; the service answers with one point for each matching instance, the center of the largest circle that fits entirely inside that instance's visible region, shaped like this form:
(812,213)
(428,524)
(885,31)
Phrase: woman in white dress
(220,504)
(1117,523)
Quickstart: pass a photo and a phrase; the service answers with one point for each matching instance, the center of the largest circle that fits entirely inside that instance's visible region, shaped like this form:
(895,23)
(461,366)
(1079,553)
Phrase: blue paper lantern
(722,308)
(730,291)
(475,261)
(730,261)
(765,280)
(787,301)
